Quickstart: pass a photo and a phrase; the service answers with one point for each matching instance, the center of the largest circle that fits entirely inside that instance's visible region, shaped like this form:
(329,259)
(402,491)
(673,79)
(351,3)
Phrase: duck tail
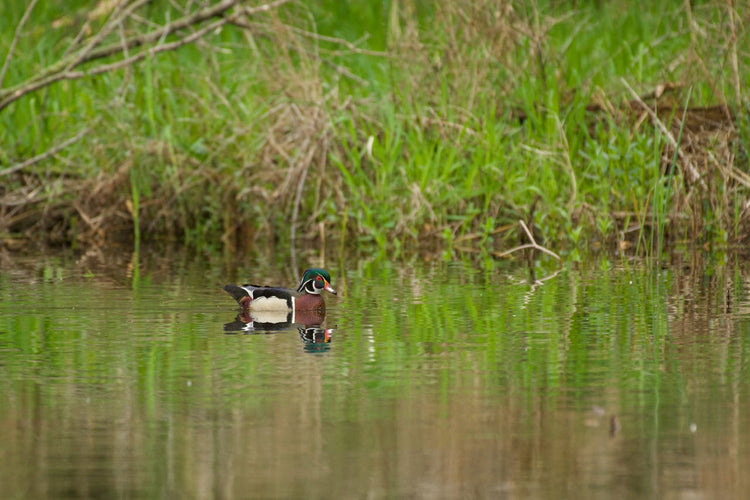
(238,293)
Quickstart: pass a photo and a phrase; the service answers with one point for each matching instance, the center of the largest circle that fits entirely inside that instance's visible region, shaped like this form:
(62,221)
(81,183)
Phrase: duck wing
(246,294)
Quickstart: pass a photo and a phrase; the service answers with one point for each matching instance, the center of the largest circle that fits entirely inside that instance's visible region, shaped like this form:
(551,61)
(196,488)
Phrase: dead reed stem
(690,169)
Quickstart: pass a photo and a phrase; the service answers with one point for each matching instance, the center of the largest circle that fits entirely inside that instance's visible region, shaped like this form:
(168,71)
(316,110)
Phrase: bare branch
(64,69)
(47,154)
(16,36)
(70,75)
(117,18)
(177,25)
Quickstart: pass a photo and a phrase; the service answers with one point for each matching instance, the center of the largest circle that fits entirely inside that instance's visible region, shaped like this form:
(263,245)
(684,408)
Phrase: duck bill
(329,288)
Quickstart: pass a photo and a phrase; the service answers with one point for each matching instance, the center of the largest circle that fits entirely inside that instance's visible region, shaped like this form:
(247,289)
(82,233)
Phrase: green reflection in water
(439,381)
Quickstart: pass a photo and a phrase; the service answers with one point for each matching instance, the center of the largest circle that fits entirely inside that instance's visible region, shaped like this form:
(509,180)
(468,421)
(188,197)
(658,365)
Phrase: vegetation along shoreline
(396,126)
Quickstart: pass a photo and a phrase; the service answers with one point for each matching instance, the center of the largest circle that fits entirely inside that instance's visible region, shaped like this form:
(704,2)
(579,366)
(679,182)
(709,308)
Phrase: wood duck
(307,296)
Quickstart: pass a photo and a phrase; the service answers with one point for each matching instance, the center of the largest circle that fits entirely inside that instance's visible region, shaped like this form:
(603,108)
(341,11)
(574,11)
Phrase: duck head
(314,281)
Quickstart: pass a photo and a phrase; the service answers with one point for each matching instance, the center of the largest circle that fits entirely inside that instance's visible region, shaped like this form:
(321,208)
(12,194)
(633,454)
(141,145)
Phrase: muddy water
(123,377)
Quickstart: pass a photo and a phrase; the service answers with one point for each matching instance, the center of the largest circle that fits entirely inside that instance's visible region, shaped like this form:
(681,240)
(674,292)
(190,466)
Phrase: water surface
(124,377)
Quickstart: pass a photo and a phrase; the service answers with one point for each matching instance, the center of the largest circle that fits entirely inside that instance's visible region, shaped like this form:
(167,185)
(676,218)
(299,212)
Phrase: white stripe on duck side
(272,317)
(271,304)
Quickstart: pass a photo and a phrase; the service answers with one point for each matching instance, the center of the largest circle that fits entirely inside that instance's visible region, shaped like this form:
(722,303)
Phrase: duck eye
(318,278)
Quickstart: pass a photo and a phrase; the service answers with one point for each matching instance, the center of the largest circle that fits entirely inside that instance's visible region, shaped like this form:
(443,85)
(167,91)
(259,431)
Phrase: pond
(125,376)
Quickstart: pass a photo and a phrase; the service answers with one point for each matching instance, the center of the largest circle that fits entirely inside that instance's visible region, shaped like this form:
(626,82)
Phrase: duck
(271,299)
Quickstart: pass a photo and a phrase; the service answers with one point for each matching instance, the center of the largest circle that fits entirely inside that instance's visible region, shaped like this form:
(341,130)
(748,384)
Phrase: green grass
(476,118)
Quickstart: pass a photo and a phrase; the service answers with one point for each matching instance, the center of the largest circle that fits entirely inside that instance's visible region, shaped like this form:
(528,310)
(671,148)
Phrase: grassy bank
(391,125)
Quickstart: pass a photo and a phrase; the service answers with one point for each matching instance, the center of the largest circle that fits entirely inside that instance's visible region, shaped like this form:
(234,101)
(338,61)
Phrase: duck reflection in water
(315,338)
(308,324)
(255,321)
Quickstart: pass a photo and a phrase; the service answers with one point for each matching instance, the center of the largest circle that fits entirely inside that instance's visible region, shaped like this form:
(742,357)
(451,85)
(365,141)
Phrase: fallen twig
(533,245)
